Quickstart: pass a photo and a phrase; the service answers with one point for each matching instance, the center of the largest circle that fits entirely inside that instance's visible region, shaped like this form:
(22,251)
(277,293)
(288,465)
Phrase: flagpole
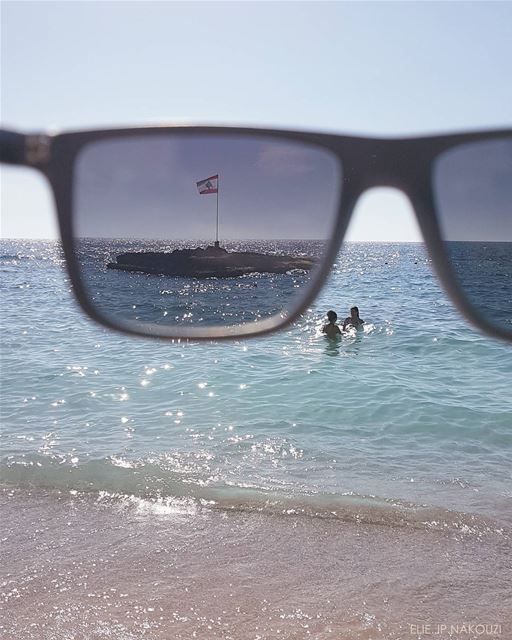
(217,228)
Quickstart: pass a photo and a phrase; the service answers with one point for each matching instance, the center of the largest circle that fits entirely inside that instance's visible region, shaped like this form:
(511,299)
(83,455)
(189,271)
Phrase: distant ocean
(280,487)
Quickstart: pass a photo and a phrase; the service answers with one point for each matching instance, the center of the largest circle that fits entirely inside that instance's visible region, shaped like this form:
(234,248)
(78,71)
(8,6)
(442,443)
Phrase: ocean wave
(149,489)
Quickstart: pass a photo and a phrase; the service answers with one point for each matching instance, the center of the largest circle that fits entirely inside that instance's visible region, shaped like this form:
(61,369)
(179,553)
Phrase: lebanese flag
(210,185)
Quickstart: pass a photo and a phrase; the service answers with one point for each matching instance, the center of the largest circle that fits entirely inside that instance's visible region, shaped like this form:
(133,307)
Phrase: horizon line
(422,241)
(225,240)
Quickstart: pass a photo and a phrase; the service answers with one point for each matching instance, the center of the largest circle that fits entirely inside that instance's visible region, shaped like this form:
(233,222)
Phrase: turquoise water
(283,487)
(414,411)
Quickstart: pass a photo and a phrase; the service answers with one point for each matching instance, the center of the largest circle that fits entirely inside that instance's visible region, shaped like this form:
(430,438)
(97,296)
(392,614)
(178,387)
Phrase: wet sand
(77,567)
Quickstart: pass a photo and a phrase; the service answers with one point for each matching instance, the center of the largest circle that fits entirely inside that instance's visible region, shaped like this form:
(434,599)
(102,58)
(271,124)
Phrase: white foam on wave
(162,506)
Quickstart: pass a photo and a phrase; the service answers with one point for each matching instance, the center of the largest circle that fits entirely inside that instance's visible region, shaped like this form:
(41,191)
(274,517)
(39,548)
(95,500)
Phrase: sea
(286,486)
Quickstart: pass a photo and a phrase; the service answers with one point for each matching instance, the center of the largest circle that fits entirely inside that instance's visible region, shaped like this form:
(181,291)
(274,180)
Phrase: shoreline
(83,569)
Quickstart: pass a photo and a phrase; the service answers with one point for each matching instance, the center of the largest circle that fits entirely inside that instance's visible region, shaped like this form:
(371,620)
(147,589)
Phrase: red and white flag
(210,185)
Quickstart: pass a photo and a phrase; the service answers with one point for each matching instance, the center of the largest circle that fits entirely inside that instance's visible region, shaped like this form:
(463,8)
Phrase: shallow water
(376,470)
(123,568)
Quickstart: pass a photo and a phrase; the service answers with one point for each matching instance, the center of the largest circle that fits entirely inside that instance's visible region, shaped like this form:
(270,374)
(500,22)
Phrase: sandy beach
(77,567)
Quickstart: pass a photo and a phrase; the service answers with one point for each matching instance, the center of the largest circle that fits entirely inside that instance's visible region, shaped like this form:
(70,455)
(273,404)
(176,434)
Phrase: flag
(210,185)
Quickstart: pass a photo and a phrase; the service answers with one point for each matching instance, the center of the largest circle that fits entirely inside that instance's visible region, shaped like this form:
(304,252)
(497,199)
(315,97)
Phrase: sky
(146,187)
(384,68)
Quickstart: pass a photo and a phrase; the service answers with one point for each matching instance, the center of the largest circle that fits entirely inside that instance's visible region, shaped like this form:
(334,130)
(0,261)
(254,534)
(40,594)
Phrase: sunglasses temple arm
(24,150)
(13,147)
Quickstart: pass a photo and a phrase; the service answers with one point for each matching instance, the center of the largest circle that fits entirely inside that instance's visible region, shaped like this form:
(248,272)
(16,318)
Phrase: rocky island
(211,262)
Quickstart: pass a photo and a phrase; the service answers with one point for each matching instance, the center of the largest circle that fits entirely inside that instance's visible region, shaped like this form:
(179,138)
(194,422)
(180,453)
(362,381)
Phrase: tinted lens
(473,189)
(201,230)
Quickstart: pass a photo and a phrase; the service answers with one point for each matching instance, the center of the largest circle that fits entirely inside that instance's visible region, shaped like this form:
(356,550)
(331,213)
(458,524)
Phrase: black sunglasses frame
(403,163)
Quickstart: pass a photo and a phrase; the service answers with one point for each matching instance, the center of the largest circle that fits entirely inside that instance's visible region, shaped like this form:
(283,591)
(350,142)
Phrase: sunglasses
(207,232)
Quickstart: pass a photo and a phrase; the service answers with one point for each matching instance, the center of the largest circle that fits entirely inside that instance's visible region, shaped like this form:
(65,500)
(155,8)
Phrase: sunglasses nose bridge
(384,163)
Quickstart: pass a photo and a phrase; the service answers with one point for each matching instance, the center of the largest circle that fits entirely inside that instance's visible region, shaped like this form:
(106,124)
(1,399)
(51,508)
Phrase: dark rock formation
(212,262)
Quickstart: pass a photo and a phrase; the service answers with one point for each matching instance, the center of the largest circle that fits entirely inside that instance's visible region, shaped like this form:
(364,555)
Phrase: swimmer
(353,319)
(331,329)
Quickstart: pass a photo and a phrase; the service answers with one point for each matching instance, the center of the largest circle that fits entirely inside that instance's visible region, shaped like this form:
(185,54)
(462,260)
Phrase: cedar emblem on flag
(210,185)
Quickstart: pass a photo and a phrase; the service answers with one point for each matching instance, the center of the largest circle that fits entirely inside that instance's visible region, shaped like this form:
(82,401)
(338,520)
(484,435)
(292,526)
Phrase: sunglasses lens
(473,191)
(181,230)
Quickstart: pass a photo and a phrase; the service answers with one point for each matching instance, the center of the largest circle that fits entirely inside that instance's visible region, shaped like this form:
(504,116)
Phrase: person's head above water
(354,312)
(332,316)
